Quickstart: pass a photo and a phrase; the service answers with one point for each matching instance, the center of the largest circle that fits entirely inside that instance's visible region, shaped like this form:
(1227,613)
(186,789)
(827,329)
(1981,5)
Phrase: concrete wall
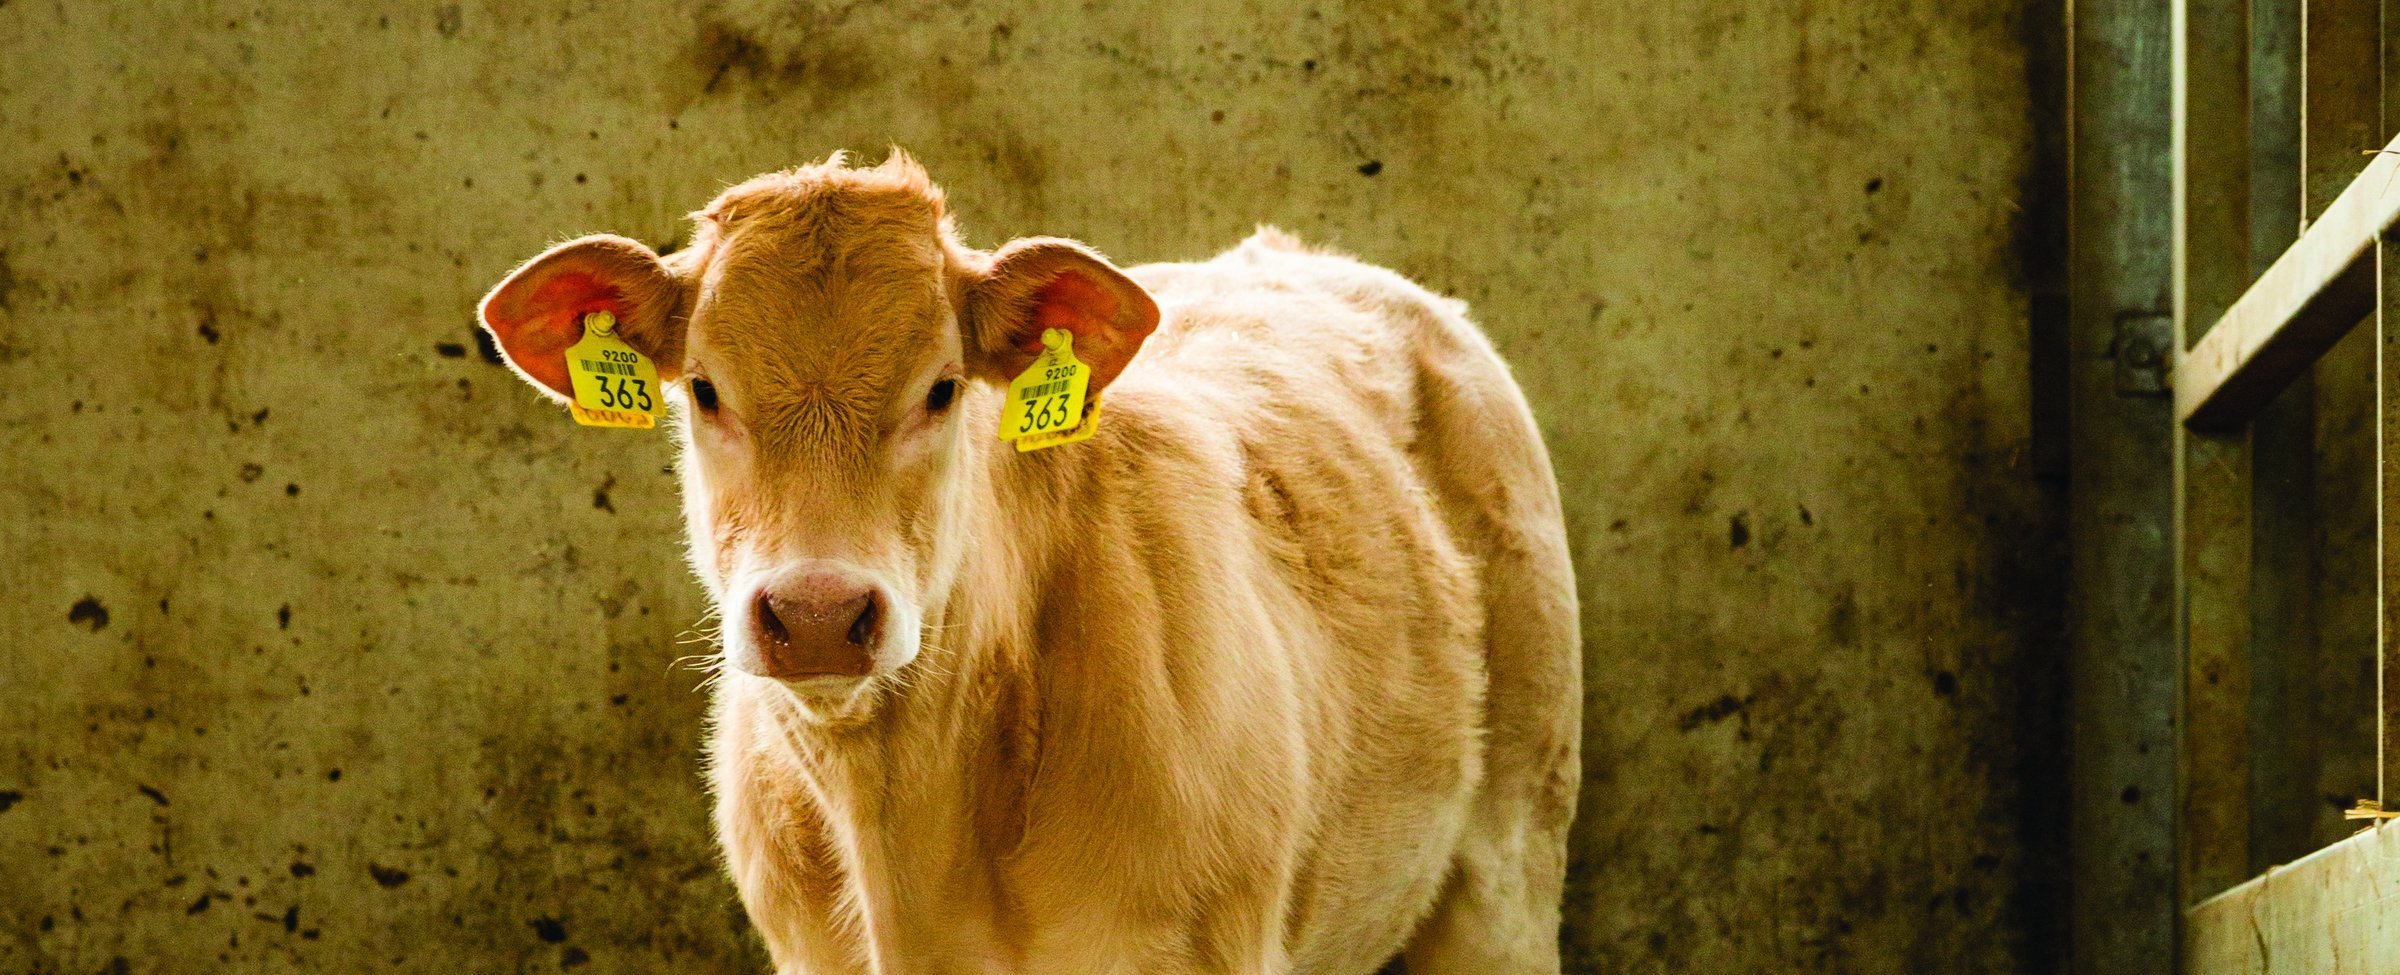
(330,647)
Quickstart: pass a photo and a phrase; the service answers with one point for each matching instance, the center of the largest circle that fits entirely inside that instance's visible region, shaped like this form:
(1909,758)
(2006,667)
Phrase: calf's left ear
(538,311)
(1045,282)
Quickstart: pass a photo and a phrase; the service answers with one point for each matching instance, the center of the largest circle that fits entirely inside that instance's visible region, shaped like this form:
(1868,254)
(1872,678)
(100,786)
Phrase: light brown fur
(1277,673)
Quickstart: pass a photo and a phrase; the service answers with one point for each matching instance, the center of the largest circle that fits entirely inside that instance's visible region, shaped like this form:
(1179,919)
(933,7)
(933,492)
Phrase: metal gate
(2280,124)
(2235,319)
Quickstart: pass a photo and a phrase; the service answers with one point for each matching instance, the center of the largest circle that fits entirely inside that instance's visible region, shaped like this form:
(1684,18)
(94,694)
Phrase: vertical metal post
(2121,610)
(2387,458)
(2212,470)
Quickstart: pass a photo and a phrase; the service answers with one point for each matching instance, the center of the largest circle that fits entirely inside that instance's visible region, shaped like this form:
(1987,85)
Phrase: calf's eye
(704,395)
(938,398)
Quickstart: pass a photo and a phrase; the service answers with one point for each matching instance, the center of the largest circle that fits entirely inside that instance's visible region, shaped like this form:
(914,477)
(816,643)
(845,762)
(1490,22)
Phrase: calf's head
(826,336)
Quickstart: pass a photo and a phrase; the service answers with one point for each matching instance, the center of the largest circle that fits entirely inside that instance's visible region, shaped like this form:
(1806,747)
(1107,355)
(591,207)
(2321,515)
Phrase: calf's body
(1278,672)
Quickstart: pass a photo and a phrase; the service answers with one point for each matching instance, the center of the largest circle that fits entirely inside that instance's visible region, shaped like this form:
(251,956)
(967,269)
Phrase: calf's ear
(1044,282)
(538,311)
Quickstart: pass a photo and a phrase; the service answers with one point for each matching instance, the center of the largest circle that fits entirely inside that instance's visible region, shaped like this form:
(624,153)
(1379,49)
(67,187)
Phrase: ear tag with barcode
(614,385)
(1047,405)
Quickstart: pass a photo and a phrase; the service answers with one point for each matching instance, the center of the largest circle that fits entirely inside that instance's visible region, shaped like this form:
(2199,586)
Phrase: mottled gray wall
(330,647)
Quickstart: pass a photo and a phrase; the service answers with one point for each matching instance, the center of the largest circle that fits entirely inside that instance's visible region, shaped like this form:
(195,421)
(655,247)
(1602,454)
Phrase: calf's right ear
(537,313)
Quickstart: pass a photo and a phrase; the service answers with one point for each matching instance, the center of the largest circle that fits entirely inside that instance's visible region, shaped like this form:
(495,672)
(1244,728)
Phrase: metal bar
(2387,450)
(2121,612)
(2212,470)
(2313,294)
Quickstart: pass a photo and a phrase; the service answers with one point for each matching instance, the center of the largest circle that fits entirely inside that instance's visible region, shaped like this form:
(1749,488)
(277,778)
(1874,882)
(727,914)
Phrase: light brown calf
(1277,673)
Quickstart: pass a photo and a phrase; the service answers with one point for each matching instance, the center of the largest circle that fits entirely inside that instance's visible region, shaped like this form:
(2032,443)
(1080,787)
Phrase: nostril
(862,629)
(821,625)
(770,625)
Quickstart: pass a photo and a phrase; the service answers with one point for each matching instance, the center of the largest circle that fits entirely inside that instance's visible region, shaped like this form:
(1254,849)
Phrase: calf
(1278,671)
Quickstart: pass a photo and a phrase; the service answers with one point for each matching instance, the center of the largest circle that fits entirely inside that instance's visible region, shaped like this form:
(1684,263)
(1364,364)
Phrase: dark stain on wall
(1725,706)
(549,929)
(88,613)
(813,59)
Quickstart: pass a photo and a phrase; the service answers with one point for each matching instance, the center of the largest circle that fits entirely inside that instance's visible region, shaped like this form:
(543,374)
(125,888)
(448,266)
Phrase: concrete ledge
(2333,912)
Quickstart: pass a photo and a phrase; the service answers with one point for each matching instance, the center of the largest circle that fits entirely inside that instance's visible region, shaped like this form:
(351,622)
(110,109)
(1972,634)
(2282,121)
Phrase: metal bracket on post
(2143,349)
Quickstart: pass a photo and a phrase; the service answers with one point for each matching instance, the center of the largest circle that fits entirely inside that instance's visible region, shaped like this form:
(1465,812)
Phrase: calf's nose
(817,626)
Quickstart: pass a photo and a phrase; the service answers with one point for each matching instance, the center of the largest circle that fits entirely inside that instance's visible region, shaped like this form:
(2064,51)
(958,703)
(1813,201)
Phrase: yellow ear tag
(1046,405)
(614,385)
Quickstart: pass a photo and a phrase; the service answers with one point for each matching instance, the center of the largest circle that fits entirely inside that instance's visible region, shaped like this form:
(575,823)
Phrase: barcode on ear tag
(615,386)
(1046,403)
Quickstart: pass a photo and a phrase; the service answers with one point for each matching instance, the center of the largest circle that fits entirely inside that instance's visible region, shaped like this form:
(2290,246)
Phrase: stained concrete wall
(331,648)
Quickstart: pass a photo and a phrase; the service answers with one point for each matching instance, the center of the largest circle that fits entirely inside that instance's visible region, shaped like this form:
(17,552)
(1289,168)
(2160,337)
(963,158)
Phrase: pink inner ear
(536,329)
(1075,303)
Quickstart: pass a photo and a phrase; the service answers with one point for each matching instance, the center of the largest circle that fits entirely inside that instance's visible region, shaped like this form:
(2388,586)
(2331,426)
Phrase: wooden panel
(2283,520)
(2275,214)
(2342,96)
(2390,62)
(2387,541)
(2335,912)
(2387,455)
(2341,108)
(2284,623)
(2212,469)
(2212,479)
(2315,292)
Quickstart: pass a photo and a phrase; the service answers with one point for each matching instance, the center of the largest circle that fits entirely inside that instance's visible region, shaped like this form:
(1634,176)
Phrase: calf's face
(824,334)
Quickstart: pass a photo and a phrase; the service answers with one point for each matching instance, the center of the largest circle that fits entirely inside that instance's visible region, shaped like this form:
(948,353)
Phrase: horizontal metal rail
(2307,301)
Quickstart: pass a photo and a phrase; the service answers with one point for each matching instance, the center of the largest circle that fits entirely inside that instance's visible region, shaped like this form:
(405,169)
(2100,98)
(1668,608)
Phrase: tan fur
(1277,673)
